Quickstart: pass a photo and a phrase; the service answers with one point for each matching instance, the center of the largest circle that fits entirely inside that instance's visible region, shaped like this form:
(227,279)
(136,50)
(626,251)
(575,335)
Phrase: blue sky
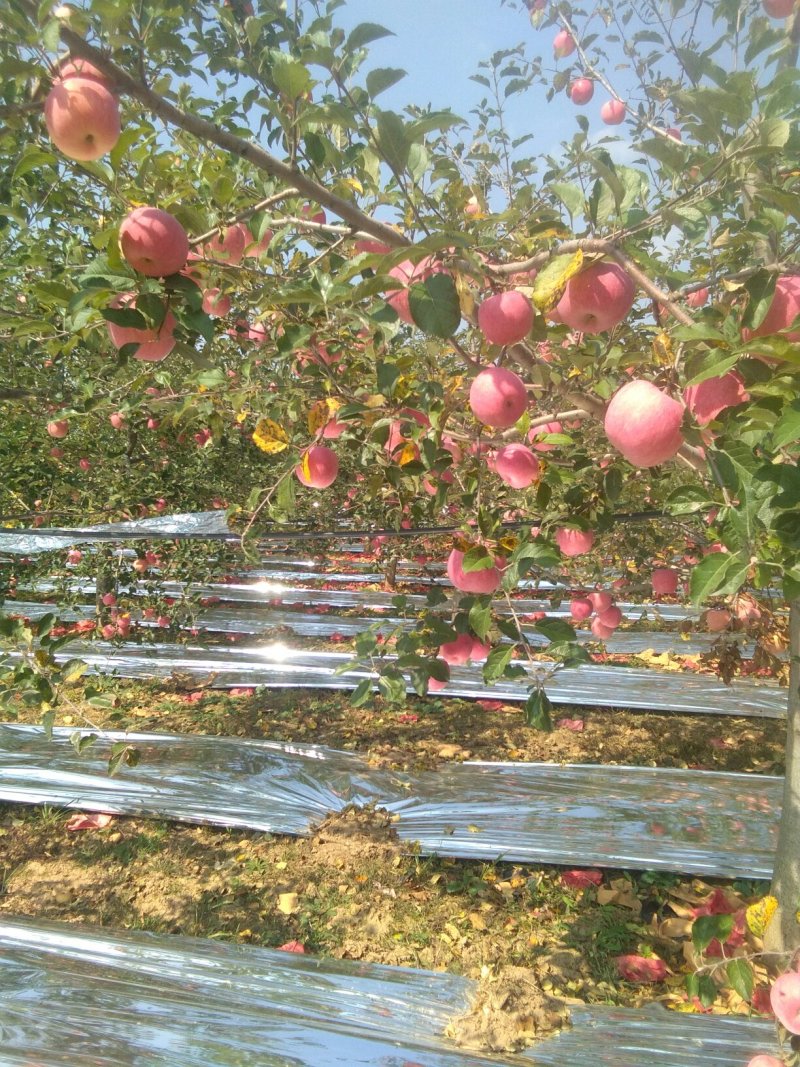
(441,43)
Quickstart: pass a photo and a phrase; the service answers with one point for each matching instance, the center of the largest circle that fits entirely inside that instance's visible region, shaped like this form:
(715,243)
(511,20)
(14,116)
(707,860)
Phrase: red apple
(610,618)
(74,556)
(409,273)
(674,133)
(319,467)
(370,247)
(581,91)
(612,112)
(57,453)
(709,398)
(698,299)
(785,1000)
(215,303)
(664,581)
(644,424)
(485,581)
(154,345)
(574,542)
(783,310)
(497,397)
(229,246)
(109,600)
(58,428)
(258,248)
(543,431)
(601,631)
(457,652)
(117,420)
(78,67)
(717,620)
(778,9)
(580,609)
(601,600)
(82,117)
(765,1061)
(153,242)
(84,464)
(597,299)
(563,44)
(505,318)
(314,214)
(517,466)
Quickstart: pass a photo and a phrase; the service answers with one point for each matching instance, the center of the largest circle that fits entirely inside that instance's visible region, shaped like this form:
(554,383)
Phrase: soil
(535,940)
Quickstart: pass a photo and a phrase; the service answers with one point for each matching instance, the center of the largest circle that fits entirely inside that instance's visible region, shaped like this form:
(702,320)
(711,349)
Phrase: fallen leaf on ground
(641,968)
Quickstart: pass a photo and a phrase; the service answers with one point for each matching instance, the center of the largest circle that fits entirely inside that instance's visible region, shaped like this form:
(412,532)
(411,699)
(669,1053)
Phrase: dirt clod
(510,1012)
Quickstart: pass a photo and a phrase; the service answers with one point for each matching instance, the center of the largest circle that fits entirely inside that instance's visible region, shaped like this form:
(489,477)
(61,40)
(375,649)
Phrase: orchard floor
(351,890)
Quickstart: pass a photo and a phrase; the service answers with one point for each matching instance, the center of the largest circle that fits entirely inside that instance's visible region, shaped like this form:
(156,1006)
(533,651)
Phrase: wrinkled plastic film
(74,997)
(277,666)
(232,619)
(202,524)
(640,818)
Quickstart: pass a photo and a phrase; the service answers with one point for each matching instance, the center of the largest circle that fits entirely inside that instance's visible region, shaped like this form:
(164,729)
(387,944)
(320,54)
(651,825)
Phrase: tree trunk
(783,932)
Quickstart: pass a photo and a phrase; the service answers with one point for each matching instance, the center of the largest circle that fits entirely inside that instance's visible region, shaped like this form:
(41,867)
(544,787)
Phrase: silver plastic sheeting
(269,591)
(277,666)
(229,619)
(86,998)
(189,524)
(694,822)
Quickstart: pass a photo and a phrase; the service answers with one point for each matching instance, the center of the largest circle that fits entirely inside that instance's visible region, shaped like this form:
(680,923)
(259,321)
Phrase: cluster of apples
(600,604)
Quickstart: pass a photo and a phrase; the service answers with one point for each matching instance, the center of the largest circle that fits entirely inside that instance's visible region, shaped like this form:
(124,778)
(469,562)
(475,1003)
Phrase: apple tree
(231,273)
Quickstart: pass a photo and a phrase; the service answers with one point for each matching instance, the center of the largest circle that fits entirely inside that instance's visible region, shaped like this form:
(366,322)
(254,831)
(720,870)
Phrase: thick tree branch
(207,131)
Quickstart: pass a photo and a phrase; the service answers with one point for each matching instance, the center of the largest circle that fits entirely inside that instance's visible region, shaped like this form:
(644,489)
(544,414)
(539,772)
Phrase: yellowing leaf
(758,915)
(306,467)
(270,437)
(321,414)
(409,454)
(288,903)
(662,350)
(465,298)
(241,416)
(550,281)
(508,542)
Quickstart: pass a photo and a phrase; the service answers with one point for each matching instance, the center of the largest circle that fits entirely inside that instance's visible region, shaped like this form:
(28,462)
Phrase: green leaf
(476,559)
(434,305)
(383,78)
(556,630)
(537,711)
(786,430)
(128,317)
(480,619)
(33,158)
(496,663)
(761,289)
(741,978)
(290,76)
(612,484)
(687,500)
(392,140)
(362,693)
(708,927)
(365,33)
(708,576)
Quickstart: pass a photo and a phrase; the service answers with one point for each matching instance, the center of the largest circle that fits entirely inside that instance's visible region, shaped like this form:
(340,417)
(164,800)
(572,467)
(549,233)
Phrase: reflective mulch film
(276,665)
(189,524)
(694,822)
(74,997)
(254,619)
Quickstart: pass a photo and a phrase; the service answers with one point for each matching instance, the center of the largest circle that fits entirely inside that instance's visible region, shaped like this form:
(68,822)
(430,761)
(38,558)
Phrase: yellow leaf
(662,350)
(306,467)
(288,903)
(241,416)
(409,454)
(321,414)
(465,297)
(508,542)
(550,281)
(270,437)
(758,915)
